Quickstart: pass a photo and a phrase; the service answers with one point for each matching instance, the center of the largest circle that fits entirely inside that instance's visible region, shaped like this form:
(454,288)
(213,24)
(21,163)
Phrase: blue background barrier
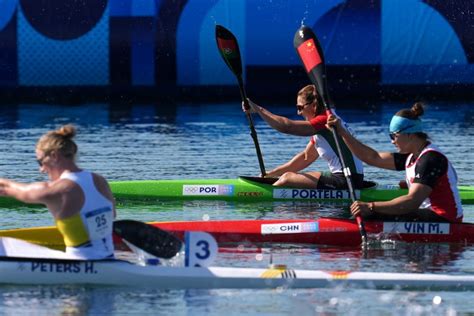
(167,46)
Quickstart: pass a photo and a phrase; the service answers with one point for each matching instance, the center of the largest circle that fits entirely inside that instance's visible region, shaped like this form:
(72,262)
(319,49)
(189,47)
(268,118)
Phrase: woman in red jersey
(431,179)
(321,144)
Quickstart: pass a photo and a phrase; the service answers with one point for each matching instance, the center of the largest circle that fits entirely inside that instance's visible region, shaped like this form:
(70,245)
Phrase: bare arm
(363,152)
(406,203)
(298,162)
(38,192)
(281,123)
(402,205)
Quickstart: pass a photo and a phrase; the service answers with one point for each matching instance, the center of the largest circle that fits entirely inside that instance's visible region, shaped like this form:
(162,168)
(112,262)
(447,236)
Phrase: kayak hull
(323,231)
(242,189)
(247,189)
(122,273)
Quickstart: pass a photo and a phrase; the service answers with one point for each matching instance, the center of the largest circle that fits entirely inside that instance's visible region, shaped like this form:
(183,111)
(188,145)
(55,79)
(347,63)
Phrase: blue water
(166,141)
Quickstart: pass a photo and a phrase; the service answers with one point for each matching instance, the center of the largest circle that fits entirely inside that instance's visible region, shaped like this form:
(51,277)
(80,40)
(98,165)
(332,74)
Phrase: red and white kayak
(323,231)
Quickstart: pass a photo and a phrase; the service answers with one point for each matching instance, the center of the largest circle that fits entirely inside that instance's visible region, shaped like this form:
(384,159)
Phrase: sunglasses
(394,135)
(40,161)
(300,107)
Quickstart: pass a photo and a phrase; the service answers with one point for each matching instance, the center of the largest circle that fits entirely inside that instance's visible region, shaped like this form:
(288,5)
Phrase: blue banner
(171,43)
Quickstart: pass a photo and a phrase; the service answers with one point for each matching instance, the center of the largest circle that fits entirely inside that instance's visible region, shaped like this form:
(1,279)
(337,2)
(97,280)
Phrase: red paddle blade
(229,49)
(311,54)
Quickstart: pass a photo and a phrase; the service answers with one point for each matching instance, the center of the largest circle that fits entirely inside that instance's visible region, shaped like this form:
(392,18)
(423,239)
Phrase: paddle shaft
(311,54)
(347,175)
(347,172)
(230,52)
(253,132)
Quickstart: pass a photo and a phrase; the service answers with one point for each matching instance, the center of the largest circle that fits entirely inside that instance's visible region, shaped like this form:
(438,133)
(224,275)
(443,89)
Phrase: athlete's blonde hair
(59,140)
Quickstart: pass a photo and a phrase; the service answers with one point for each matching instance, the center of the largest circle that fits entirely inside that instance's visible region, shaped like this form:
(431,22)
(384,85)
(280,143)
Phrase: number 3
(205,248)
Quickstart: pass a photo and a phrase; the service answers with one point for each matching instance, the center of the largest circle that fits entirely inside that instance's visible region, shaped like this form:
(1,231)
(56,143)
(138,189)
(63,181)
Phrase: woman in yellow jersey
(81,202)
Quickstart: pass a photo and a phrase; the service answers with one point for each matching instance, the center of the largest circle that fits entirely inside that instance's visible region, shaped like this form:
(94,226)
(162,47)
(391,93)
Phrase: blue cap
(404,125)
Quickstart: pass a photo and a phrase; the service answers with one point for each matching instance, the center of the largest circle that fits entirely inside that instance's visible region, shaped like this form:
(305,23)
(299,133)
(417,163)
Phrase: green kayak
(242,189)
(248,189)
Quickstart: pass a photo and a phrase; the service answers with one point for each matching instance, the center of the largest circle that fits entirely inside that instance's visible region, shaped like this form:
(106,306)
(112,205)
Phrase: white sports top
(88,234)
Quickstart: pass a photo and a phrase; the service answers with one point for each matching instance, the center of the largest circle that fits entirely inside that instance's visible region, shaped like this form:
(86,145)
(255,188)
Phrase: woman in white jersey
(81,202)
(431,179)
(321,144)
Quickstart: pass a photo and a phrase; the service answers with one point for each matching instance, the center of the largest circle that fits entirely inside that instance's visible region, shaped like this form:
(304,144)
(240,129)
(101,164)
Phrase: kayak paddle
(311,54)
(229,49)
(150,239)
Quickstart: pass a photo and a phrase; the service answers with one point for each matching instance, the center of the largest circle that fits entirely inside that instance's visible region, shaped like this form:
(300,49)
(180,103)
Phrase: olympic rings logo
(271,229)
(190,189)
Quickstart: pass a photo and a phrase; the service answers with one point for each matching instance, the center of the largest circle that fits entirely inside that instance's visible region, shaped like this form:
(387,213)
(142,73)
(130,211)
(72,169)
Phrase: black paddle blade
(151,239)
(311,54)
(229,49)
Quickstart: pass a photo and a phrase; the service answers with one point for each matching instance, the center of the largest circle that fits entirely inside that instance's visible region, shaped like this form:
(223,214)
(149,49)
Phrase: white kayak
(124,273)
